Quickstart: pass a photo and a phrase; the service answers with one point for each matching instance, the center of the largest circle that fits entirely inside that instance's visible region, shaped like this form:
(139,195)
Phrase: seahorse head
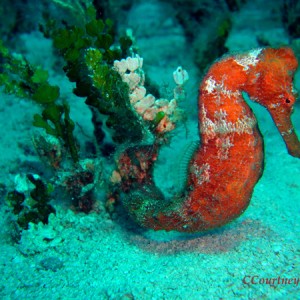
(270,83)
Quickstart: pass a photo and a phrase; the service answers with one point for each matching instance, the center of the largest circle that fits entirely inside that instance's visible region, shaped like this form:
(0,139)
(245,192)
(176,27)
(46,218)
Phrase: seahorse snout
(282,119)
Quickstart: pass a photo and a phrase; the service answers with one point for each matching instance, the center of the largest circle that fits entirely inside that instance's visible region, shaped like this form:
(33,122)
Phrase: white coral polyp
(132,79)
(146,105)
(150,113)
(138,93)
(134,63)
(130,63)
(161,102)
(133,98)
(121,66)
(180,76)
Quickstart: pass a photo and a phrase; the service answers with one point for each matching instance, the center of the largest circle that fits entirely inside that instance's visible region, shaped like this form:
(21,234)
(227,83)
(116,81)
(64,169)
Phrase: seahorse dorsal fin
(183,163)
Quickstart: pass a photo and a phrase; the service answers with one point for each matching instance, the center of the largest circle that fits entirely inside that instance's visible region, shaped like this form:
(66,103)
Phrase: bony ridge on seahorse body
(226,166)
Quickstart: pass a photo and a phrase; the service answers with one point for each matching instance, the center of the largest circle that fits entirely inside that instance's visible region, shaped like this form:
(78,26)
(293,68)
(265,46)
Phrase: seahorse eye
(287,100)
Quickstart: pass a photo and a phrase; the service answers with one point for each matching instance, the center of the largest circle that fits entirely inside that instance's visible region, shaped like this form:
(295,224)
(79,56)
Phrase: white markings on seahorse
(220,125)
(251,59)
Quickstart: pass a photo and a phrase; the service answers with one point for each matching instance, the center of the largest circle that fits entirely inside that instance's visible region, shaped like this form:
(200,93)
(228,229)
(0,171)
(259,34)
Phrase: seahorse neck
(222,111)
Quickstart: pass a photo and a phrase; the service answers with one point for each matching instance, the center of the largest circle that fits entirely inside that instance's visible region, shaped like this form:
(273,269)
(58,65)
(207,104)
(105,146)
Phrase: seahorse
(229,160)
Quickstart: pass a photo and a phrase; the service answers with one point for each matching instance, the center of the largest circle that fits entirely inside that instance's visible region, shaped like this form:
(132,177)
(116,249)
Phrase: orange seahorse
(229,162)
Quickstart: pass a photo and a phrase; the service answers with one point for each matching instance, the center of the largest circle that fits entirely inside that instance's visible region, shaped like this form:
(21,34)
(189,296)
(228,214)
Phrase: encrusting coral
(162,112)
